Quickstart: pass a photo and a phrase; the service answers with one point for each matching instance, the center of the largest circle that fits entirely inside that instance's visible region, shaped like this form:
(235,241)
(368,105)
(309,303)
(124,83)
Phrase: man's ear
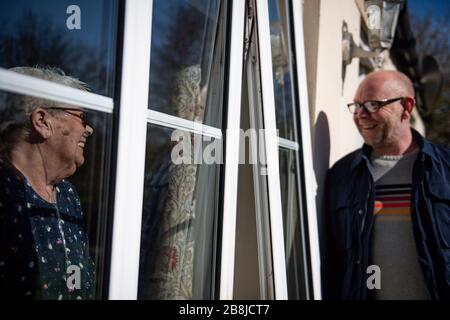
(408,106)
(41,122)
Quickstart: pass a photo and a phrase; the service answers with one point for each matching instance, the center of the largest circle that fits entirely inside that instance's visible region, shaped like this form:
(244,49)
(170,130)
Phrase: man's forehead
(374,89)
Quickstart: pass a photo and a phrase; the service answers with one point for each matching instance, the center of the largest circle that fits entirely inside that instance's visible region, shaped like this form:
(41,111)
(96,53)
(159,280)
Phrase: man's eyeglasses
(82,115)
(370,105)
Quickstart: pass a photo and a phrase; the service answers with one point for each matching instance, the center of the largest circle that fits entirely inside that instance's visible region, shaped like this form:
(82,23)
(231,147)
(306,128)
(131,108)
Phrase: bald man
(388,203)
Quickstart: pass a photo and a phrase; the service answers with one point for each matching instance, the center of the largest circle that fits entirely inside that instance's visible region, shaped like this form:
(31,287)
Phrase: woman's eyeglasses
(82,115)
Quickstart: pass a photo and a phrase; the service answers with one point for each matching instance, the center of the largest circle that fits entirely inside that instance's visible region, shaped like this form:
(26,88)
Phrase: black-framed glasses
(371,105)
(82,115)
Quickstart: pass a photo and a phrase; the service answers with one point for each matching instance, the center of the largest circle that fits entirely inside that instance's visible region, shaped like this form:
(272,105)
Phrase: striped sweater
(393,244)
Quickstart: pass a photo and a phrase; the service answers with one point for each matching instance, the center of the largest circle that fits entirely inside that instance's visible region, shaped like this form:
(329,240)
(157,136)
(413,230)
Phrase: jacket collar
(363,154)
(426,147)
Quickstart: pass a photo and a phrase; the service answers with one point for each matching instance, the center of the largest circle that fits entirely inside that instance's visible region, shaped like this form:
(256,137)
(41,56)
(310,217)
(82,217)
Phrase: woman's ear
(41,122)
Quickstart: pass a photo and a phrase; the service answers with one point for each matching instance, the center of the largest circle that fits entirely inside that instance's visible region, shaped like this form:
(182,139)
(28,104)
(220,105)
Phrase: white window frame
(133,121)
(291,145)
(273,142)
(126,237)
(30,86)
(169,121)
(265,265)
(134,118)
(305,129)
(232,151)
(131,142)
(288,144)
(271,148)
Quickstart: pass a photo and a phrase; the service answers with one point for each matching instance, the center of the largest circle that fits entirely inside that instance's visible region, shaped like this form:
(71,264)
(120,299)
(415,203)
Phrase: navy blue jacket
(350,196)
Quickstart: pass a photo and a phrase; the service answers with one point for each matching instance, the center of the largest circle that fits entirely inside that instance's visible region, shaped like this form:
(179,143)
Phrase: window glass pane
(92,181)
(282,68)
(179,215)
(187,59)
(79,37)
(54,171)
(295,269)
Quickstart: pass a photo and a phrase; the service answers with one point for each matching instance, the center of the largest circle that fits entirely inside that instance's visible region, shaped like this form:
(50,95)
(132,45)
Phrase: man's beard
(382,137)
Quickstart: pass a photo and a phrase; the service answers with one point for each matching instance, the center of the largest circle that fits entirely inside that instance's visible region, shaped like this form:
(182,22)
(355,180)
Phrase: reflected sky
(55,10)
(182,52)
(35,33)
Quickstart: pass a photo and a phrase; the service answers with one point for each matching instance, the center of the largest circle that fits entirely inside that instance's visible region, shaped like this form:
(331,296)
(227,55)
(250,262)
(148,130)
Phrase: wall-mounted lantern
(382,17)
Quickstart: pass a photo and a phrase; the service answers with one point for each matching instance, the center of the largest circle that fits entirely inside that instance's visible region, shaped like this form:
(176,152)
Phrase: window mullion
(232,150)
(169,121)
(288,144)
(271,148)
(131,150)
(306,147)
(30,86)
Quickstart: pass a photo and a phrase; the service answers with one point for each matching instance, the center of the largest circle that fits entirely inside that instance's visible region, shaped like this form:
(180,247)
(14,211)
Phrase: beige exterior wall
(330,87)
(328,91)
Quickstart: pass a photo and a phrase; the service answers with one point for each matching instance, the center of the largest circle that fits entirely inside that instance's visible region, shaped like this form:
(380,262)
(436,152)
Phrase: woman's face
(69,138)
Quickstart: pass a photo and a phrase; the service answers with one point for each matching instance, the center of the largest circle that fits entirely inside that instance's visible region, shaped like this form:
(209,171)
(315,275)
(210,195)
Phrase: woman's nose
(89,130)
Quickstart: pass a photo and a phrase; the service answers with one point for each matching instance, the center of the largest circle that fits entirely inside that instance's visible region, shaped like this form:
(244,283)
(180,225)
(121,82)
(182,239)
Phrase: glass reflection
(179,214)
(291,225)
(282,68)
(93,181)
(48,236)
(37,33)
(186,69)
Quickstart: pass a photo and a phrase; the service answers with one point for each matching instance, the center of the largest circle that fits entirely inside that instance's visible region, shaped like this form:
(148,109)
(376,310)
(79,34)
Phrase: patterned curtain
(173,272)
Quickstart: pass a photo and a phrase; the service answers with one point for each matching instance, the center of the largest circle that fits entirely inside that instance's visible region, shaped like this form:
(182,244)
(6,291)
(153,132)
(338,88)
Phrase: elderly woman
(43,246)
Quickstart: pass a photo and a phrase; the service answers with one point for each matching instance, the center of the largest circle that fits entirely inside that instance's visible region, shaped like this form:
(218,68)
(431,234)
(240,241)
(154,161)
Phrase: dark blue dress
(43,246)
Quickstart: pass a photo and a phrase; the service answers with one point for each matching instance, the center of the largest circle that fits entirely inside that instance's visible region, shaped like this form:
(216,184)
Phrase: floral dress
(43,246)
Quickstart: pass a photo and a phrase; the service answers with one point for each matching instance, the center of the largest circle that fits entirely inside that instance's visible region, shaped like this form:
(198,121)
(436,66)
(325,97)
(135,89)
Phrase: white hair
(15,109)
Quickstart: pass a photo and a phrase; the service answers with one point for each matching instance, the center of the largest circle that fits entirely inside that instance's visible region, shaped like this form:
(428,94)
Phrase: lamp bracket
(351,50)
